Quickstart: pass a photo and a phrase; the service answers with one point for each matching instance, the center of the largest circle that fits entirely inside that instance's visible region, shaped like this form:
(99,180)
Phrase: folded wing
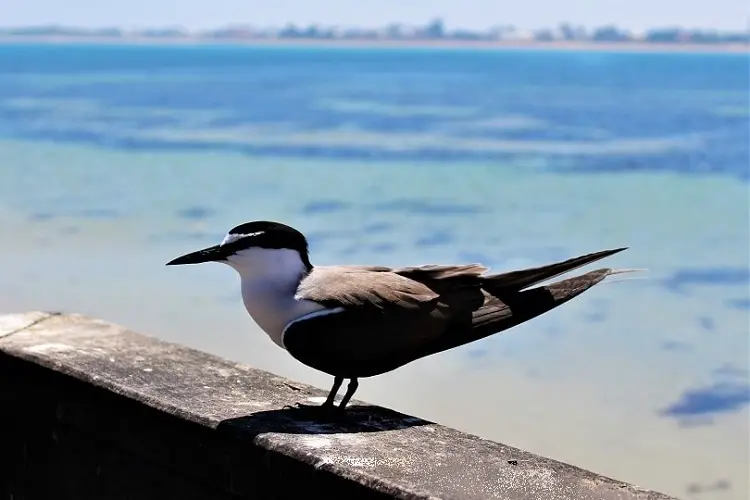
(394,316)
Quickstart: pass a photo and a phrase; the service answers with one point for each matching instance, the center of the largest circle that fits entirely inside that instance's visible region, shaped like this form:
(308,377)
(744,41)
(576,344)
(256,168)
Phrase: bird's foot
(323,411)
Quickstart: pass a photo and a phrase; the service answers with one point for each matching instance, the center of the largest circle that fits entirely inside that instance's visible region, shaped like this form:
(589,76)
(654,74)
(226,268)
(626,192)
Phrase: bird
(359,321)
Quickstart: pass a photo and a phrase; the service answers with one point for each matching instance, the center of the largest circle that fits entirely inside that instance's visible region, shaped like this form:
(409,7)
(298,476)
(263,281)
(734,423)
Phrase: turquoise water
(116,159)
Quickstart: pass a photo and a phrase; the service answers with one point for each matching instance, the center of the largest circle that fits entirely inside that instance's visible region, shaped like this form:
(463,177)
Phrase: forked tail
(515,281)
(511,307)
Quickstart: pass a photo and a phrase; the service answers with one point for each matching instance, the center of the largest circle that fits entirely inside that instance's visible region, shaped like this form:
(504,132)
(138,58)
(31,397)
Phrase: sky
(473,14)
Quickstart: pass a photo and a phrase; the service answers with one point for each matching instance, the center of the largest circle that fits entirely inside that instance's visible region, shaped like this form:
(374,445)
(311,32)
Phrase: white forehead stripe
(234,237)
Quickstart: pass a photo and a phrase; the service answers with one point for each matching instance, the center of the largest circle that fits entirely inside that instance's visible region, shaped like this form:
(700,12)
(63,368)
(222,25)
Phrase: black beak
(210,254)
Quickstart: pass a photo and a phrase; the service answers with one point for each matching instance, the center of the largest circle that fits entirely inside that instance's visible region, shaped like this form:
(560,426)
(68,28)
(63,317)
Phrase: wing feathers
(394,316)
(514,281)
(361,287)
(445,289)
(499,315)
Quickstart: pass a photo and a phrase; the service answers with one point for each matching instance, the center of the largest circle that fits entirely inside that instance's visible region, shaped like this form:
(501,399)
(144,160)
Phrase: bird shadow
(293,420)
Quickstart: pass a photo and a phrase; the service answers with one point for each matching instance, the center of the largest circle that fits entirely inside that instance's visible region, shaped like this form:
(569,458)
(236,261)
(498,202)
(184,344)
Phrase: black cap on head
(266,234)
(256,234)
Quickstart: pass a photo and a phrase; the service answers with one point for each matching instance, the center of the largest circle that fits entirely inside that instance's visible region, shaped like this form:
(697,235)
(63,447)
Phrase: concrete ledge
(91,410)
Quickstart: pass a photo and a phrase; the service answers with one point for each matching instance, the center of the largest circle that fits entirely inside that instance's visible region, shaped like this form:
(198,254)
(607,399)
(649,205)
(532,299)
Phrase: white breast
(270,278)
(273,311)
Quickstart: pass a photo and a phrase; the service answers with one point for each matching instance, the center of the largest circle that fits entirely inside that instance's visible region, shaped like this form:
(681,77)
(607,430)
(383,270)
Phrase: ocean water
(115,159)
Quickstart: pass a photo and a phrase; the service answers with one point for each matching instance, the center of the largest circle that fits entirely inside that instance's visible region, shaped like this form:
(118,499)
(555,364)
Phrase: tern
(354,322)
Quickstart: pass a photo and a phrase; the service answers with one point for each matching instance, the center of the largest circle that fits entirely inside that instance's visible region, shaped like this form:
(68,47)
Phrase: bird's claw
(328,411)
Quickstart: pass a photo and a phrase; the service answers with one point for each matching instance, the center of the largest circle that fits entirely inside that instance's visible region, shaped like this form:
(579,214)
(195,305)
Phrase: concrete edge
(14,323)
(47,354)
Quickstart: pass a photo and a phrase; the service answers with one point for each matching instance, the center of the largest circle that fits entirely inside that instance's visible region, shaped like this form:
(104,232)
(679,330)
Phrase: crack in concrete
(32,324)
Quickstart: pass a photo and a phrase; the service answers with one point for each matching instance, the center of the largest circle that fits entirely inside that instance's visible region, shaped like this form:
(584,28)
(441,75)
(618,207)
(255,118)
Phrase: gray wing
(390,315)
(387,288)
(416,286)
(365,342)
(394,316)
(360,287)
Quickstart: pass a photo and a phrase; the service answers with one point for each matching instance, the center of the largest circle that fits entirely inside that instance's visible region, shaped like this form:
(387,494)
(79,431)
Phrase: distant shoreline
(390,44)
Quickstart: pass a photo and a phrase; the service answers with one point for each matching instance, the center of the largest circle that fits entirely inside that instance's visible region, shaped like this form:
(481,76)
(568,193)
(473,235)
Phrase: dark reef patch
(709,401)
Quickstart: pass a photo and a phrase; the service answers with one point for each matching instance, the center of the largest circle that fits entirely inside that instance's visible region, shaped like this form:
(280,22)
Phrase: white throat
(270,278)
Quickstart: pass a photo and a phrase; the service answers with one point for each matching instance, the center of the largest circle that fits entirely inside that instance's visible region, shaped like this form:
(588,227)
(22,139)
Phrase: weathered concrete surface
(92,410)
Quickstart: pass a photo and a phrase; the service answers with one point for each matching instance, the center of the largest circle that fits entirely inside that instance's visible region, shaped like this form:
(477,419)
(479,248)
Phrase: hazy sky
(636,14)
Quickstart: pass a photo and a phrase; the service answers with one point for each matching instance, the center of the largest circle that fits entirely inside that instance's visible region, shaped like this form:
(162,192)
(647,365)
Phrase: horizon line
(391,24)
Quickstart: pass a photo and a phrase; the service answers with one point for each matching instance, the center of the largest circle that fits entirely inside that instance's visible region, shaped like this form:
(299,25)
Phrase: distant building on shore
(435,30)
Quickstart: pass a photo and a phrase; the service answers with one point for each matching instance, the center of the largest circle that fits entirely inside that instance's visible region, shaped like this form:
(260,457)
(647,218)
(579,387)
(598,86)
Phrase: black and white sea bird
(359,321)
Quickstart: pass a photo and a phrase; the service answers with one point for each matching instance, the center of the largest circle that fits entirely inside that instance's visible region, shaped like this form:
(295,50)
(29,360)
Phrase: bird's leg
(350,390)
(337,381)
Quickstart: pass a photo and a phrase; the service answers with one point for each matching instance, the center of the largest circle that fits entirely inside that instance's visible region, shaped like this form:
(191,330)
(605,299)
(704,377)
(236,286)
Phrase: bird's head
(258,247)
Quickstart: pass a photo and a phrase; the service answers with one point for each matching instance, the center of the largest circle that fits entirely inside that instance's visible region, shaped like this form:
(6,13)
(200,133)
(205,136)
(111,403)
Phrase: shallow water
(117,159)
